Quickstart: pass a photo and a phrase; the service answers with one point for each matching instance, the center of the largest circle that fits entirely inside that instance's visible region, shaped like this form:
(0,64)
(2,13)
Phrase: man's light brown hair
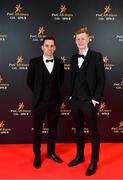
(82,30)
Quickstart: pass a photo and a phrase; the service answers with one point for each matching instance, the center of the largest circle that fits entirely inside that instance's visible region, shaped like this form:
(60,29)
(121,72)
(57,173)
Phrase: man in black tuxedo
(87,86)
(44,78)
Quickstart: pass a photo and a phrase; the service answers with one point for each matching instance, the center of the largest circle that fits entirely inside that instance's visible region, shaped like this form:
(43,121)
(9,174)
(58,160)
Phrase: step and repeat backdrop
(23,25)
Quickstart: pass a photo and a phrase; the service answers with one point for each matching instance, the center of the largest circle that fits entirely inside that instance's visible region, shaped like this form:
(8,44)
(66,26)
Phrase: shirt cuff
(95,101)
(70,97)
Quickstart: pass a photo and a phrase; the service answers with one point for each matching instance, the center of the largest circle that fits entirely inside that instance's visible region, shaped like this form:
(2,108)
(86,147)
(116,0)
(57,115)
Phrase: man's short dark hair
(49,38)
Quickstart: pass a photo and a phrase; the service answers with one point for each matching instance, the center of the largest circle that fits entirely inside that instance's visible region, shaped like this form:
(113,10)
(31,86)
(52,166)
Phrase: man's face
(48,47)
(82,41)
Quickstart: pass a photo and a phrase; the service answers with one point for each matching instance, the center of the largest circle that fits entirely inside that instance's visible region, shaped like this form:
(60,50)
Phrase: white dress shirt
(80,59)
(49,65)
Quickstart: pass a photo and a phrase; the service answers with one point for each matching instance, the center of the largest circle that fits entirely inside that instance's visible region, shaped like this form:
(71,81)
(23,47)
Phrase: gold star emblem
(102,106)
(63,58)
(1,79)
(19,59)
(105,59)
(21,106)
(41,30)
(121,82)
(18,8)
(121,124)
(63,9)
(63,106)
(1,124)
(107,9)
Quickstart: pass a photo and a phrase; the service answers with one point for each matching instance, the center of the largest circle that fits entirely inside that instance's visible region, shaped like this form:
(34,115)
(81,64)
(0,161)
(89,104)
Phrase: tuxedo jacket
(94,74)
(35,76)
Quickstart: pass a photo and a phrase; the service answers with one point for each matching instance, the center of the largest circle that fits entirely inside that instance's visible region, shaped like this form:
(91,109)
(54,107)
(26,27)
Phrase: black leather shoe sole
(91,170)
(73,163)
(89,173)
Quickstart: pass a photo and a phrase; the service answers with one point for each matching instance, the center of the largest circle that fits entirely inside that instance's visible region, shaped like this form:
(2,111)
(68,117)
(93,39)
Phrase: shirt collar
(45,58)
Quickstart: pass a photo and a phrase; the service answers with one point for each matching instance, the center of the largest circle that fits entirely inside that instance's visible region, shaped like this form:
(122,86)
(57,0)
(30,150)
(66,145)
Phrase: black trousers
(52,111)
(80,110)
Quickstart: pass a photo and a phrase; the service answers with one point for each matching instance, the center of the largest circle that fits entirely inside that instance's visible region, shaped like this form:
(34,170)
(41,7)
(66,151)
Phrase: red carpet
(16,162)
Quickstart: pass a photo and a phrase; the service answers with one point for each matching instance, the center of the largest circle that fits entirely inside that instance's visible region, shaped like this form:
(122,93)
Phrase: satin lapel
(55,63)
(87,58)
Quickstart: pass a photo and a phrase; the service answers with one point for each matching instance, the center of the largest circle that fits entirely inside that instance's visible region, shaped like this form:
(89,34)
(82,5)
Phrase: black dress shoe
(55,158)
(91,169)
(76,161)
(37,162)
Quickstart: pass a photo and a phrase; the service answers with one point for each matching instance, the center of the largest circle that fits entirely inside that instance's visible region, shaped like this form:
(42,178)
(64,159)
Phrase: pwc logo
(3,129)
(108,66)
(104,110)
(62,15)
(3,85)
(118,129)
(39,35)
(119,84)
(66,65)
(17,14)
(19,65)
(21,110)
(106,15)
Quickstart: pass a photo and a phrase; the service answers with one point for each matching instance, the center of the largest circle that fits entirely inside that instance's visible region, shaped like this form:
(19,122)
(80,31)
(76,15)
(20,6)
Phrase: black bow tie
(81,56)
(49,60)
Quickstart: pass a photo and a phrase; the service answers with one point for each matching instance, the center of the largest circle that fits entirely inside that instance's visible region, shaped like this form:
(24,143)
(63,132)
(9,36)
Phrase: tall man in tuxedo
(87,85)
(44,78)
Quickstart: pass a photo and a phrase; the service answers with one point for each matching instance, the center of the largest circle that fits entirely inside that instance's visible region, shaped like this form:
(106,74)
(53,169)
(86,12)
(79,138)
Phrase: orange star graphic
(21,106)
(63,9)
(1,79)
(41,30)
(107,9)
(18,8)
(20,59)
